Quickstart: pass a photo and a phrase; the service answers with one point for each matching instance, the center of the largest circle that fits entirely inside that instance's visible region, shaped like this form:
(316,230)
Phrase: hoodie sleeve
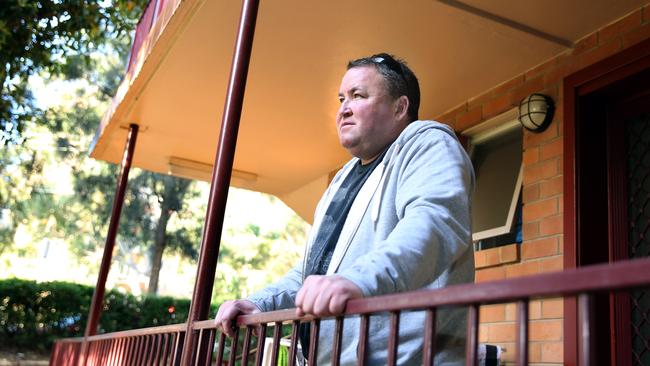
(433,180)
(281,294)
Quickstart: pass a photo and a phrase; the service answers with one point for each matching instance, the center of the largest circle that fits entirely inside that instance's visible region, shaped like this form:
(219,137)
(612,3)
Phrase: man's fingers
(337,304)
(226,327)
(299,312)
(325,295)
(321,303)
(228,312)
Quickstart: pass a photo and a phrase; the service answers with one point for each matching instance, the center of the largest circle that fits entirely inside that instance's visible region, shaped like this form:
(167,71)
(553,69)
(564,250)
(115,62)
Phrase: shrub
(33,315)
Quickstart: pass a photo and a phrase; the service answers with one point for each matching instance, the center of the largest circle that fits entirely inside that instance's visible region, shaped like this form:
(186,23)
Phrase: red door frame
(595,77)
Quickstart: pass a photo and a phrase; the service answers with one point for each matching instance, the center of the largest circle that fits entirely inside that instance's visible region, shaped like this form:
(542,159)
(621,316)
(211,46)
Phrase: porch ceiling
(287,136)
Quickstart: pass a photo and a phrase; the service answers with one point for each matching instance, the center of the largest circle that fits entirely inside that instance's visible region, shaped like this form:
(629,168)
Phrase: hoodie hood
(372,191)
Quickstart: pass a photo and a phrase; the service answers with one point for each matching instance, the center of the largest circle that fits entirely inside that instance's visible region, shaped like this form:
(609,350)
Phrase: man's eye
(357,96)
(341,99)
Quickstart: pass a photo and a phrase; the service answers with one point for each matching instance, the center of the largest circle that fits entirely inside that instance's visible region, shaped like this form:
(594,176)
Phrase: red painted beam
(221,173)
(100,288)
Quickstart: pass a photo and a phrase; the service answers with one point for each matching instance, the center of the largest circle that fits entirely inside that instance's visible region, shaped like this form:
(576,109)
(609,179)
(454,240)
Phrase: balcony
(164,345)
(607,44)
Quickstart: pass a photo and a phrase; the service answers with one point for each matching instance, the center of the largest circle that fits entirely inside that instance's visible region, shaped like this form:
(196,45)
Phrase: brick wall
(542,247)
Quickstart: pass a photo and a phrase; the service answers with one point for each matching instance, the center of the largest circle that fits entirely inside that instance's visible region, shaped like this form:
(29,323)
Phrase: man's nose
(344,110)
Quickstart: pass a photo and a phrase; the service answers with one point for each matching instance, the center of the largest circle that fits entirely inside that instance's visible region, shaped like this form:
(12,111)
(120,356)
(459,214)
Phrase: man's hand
(325,295)
(229,310)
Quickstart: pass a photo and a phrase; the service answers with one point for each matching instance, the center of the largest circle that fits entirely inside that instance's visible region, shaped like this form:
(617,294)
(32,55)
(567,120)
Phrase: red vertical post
(471,353)
(100,287)
(221,173)
(522,332)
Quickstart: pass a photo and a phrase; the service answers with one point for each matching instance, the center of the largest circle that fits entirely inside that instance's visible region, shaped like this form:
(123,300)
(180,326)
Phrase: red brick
(597,54)
(492,313)
(483,333)
(511,312)
(546,330)
(523,269)
(637,35)
(532,139)
(585,44)
(553,308)
(541,69)
(508,85)
(468,119)
(497,106)
(539,248)
(530,193)
(551,225)
(551,149)
(480,259)
(553,91)
(552,264)
(530,230)
(552,352)
(535,309)
(490,274)
(495,92)
(478,100)
(509,253)
(621,26)
(536,210)
(540,171)
(530,86)
(551,187)
(486,258)
(531,156)
(555,76)
(501,332)
(534,352)
(449,116)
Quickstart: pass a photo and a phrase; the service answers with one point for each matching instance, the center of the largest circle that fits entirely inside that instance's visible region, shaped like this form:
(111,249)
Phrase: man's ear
(401,107)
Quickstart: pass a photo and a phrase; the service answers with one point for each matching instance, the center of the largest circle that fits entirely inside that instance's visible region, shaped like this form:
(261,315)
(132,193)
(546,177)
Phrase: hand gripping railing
(160,346)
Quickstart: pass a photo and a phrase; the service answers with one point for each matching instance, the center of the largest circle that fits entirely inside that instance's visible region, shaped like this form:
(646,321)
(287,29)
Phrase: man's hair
(400,80)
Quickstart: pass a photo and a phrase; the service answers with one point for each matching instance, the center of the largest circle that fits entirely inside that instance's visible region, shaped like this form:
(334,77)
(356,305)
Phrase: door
(612,201)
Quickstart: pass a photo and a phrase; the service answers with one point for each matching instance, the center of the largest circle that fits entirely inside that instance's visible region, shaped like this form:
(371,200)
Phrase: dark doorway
(610,140)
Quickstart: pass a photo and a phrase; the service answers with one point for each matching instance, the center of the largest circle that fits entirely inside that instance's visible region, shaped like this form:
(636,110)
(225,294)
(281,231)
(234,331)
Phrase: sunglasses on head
(388,61)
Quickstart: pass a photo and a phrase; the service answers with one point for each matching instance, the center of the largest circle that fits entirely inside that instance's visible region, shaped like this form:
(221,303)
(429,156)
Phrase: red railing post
(118,201)
(221,173)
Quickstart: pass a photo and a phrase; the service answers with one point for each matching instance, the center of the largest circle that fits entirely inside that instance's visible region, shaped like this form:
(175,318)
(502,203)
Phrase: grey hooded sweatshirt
(408,229)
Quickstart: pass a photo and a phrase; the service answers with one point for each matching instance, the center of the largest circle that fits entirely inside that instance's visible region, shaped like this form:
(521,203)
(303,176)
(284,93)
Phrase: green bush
(33,315)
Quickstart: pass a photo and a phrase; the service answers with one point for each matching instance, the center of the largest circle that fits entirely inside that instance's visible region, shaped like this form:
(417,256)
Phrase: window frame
(492,128)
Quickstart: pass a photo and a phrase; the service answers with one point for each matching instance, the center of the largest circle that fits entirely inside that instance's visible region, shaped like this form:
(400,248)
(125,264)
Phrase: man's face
(366,120)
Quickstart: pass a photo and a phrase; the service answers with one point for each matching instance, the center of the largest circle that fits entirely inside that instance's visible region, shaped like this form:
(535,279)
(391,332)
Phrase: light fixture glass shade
(536,112)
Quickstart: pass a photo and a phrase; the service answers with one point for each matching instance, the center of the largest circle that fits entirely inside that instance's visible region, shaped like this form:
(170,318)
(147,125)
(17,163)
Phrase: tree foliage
(88,40)
(57,37)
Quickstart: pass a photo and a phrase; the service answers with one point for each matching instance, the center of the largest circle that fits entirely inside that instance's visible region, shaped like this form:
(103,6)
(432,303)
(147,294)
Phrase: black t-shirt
(332,223)
(320,255)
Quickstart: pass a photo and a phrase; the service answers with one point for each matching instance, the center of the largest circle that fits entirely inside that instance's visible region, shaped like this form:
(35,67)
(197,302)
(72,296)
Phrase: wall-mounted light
(536,112)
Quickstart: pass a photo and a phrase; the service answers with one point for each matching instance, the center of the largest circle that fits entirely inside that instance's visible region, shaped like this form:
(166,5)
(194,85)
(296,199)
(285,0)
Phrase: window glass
(496,204)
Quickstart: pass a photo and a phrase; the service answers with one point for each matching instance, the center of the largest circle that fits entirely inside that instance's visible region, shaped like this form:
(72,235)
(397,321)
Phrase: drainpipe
(98,294)
(221,173)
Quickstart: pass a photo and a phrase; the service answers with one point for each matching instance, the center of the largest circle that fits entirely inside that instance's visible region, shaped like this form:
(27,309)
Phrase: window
(495,148)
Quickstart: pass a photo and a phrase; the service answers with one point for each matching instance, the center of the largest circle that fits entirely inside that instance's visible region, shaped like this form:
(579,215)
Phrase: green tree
(151,202)
(251,258)
(82,218)
(53,36)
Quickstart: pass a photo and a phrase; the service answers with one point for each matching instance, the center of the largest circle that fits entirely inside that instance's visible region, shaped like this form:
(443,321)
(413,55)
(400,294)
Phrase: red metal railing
(162,345)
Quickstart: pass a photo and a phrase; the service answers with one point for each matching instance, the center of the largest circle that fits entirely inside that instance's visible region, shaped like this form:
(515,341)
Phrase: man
(395,218)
